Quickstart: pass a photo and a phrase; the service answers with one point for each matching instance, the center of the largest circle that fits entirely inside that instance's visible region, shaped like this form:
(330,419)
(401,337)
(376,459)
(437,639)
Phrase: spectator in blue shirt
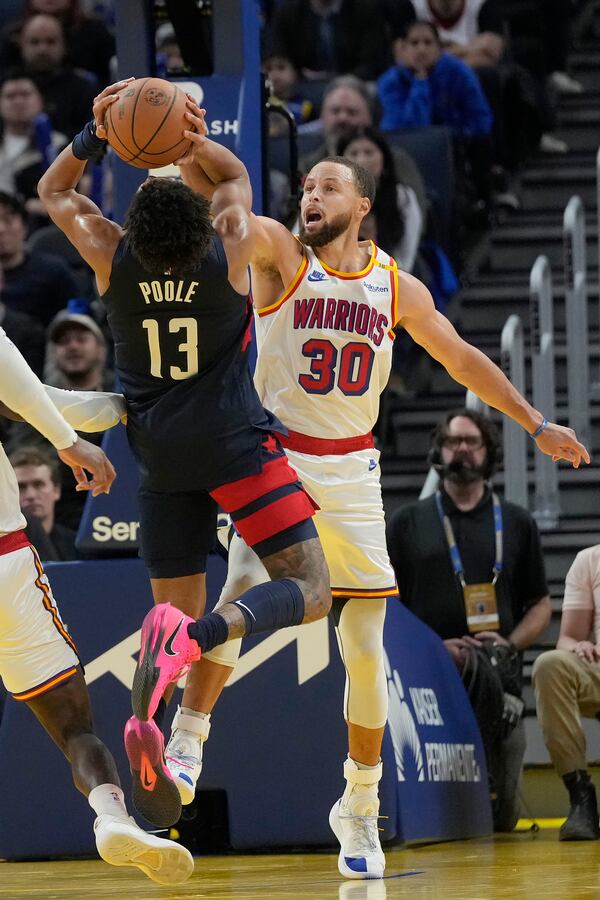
(432,88)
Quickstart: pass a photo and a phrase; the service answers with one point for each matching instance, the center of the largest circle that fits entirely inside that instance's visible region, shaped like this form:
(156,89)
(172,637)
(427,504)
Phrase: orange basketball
(145,125)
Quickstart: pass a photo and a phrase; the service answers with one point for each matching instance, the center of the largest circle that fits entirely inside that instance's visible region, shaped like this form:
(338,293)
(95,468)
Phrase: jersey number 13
(189,347)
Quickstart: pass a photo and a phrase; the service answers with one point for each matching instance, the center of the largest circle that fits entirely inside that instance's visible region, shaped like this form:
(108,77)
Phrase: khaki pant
(566,688)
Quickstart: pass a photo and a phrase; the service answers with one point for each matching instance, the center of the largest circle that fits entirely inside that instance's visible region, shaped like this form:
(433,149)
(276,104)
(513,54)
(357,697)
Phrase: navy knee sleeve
(272,605)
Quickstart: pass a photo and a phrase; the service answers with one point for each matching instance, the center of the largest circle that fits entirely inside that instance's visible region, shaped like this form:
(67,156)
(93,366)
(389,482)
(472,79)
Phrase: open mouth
(312,217)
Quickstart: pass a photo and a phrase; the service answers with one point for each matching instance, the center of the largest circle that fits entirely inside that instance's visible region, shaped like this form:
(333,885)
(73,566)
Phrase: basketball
(145,125)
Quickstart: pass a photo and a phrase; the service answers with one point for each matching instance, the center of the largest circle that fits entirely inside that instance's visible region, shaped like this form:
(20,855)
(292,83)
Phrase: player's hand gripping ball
(145,123)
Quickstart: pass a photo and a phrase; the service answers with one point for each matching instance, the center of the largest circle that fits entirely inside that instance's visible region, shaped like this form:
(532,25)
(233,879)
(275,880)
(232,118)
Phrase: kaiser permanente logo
(428,760)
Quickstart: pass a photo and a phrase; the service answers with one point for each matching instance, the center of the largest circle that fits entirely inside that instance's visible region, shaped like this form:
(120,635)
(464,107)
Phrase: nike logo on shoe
(147,774)
(168,648)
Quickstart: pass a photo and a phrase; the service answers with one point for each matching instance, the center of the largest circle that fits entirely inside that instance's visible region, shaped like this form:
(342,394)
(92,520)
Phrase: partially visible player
(326,309)
(39,663)
(175,287)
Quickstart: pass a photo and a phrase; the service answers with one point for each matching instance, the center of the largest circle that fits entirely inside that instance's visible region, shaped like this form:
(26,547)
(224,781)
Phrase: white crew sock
(108,800)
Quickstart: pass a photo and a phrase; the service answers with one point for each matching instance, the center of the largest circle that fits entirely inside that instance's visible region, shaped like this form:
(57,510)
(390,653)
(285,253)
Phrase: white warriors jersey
(325,347)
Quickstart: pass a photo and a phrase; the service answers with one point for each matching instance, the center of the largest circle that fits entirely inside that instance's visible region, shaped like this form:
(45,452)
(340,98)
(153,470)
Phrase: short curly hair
(168,227)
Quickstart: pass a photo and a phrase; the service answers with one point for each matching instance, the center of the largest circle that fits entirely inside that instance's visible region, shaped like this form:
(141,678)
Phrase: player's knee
(363,658)
(317,595)
(244,579)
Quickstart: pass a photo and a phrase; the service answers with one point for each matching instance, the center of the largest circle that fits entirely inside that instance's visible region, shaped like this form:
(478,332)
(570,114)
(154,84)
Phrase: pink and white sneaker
(166,654)
(155,794)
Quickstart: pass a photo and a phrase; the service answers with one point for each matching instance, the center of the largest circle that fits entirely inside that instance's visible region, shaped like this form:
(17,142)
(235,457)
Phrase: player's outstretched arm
(22,391)
(76,215)
(472,368)
(89,411)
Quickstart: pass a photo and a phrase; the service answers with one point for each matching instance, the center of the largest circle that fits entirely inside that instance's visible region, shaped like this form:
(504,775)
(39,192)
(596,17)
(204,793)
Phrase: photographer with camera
(470,566)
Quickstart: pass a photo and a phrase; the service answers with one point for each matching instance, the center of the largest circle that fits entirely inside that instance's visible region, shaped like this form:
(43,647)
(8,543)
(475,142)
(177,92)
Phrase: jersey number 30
(353,373)
(189,346)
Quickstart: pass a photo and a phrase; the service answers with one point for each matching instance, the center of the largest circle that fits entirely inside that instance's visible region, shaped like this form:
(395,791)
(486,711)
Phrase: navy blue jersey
(181,344)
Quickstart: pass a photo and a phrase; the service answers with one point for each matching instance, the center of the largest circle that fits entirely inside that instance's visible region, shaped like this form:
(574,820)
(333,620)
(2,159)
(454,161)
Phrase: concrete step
(517,245)
(580,128)
(544,189)
(584,67)
(484,308)
(578,496)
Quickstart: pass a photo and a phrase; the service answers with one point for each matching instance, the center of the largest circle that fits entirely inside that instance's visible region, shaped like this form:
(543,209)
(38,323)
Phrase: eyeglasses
(471,441)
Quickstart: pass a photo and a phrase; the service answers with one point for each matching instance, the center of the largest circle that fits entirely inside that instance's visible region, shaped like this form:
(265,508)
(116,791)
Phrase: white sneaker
(360,855)
(121,842)
(551,144)
(184,752)
(565,84)
(353,820)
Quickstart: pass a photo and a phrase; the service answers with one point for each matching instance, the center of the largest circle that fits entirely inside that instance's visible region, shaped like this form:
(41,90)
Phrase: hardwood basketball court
(510,866)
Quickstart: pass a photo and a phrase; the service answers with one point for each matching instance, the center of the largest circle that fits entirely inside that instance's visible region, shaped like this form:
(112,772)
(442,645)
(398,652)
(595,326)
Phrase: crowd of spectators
(356,76)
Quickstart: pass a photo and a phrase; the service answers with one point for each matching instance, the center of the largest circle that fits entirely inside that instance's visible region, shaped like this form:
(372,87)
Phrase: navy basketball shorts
(271,511)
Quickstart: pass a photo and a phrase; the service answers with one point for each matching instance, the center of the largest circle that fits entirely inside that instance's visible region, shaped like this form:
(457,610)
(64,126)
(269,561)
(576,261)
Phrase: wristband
(87,145)
(541,427)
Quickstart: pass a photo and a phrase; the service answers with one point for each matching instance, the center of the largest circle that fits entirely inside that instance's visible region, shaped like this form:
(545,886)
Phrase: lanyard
(453,548)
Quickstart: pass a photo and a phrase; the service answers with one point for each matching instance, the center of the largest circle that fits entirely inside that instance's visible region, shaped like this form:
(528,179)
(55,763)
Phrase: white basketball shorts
(350,520)
(36,651)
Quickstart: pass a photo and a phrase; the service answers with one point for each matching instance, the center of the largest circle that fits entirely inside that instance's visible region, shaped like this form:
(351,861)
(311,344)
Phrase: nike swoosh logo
(168,648)
(317,276)
(147,774)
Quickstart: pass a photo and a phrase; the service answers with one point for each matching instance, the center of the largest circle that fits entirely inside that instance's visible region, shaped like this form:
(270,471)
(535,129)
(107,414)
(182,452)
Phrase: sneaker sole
(165,865)
(146,678)
(155,794)
(343,868)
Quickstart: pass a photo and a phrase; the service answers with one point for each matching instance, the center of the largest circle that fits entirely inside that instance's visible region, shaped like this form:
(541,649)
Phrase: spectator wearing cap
(39,480)
(76,361)
(77,350)
(77,353)
(38,284)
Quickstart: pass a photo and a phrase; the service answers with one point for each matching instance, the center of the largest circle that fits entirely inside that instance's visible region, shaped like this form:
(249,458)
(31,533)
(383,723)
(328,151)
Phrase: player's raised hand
(561,443)
(103,101)
(196,132)
(84,457)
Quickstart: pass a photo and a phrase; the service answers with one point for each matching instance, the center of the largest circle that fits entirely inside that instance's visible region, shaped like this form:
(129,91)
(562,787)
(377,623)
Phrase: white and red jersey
(325,347)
